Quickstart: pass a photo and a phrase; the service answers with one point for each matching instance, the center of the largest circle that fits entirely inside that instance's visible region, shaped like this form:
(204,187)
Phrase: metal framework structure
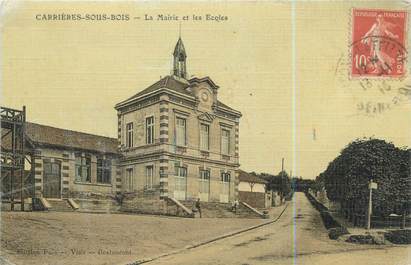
(15,180)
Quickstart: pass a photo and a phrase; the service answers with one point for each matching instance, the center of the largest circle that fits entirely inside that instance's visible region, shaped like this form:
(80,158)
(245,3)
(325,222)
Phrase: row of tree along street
(346,180)
(286,185)
(280,183)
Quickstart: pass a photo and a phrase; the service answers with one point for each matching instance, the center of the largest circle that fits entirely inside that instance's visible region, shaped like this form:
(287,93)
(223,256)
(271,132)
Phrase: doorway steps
(58,205)
(97,205)
(221,210)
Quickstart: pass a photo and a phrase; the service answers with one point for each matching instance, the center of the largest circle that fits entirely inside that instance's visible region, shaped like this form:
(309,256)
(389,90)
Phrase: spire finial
(179,54)
(179,30)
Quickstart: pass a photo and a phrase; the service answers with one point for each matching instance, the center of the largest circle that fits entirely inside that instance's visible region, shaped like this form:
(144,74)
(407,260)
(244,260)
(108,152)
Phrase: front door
(180,183)
(204,185)
(51,180)
(225,187)
(180,188)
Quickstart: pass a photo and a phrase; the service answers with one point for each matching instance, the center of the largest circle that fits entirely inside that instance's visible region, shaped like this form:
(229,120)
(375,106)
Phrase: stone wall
(254,199)
(150,203)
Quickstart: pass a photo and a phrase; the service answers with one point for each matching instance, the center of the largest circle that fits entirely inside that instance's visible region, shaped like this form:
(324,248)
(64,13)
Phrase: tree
(280,183)
(319,183)
(300,184)
(347,176)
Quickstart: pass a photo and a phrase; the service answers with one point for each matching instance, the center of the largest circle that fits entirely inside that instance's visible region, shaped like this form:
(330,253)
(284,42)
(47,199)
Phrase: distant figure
(234,206)
(198,206)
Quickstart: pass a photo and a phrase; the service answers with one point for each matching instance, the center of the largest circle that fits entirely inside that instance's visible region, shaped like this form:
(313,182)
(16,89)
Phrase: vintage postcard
(205,132)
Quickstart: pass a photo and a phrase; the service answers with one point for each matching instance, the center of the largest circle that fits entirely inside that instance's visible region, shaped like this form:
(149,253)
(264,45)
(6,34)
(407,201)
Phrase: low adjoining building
(72,164)
(252,190)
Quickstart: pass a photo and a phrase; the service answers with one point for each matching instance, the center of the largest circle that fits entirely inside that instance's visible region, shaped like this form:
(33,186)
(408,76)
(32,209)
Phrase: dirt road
(61,238)
(298,237)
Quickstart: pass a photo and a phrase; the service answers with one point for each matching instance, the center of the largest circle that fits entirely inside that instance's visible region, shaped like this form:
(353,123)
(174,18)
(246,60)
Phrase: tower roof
(174,84)
(179,49)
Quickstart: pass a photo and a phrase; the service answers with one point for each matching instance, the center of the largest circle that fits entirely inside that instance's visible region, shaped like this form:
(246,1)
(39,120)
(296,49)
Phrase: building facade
(252,190)
(70,164)
(178,140)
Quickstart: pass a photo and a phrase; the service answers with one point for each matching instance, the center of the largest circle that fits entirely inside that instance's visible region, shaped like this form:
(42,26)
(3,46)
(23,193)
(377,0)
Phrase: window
(51,168)
(83,166)
(129,179)
(150,130)
(180,171)
(149,177)
(204,136)
(225,141)
(225,177)
(180,132)
(204,174)
(103,170)
(129,134)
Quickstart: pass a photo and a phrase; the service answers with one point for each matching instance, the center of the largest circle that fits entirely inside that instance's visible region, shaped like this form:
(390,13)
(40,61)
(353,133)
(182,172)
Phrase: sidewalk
(274,213)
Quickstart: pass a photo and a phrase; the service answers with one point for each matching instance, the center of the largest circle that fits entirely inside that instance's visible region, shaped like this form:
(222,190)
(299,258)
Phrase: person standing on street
(198,206)
(234,206)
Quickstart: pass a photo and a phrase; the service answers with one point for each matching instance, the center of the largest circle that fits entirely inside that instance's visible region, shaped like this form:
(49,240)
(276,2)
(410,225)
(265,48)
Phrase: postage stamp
(378,47)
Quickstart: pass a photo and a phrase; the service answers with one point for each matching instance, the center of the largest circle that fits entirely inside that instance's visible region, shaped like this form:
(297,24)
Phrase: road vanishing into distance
(297,237)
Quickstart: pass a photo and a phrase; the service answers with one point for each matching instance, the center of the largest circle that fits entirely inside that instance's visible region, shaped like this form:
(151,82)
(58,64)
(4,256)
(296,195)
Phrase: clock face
(204,96)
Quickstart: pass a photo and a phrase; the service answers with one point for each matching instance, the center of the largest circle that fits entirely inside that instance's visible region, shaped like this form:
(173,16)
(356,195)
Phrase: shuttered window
(103,170)
(225,177)
(204,136)
(225,141)
(180,132)
(149,177)
(130,179)
(83,168)
(129,134)
(150,130)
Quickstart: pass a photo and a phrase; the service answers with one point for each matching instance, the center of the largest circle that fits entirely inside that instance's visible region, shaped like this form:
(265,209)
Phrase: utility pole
(371,186)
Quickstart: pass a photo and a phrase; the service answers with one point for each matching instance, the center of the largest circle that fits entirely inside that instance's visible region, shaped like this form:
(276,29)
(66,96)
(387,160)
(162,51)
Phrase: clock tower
(179,63)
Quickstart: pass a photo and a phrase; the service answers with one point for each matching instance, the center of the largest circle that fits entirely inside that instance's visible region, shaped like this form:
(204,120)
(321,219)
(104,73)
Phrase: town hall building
(176,143)
(178,140)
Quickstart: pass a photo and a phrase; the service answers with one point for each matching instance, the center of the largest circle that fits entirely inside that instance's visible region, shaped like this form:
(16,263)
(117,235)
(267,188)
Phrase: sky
(283,65)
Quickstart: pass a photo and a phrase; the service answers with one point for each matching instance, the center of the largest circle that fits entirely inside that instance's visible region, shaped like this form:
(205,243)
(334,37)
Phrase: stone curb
(145,260)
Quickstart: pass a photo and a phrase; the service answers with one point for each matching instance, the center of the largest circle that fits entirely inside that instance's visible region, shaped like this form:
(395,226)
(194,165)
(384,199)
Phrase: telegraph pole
(372,185)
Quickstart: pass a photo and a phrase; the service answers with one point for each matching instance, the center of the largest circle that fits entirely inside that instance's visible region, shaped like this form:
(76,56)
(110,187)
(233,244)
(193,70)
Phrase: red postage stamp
(378,47)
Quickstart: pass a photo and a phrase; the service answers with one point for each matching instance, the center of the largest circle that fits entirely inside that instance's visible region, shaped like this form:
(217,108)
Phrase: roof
(174,84)
(47,135)
(250,177)
(165,82)
(204,79)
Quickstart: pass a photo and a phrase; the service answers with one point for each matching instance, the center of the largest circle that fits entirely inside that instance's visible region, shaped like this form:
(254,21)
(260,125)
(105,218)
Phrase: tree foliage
(280,183)
(300,184)
(347,176)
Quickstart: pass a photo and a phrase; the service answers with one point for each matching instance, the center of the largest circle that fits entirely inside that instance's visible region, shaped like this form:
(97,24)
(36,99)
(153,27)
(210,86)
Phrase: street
(66,238)
(298,237)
